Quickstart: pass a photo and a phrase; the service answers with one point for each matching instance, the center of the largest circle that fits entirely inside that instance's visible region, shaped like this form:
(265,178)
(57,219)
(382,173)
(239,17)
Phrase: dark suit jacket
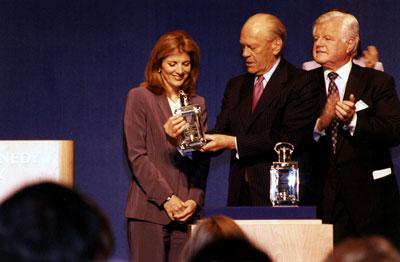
(373,204)
(286,111)
(158,169)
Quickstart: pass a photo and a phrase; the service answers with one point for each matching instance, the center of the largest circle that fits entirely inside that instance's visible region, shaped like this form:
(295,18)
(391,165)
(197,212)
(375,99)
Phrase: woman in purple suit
(167,190)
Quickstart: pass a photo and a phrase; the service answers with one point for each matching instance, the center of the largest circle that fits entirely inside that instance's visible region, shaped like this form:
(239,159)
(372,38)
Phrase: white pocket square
(360,105)
(381,173)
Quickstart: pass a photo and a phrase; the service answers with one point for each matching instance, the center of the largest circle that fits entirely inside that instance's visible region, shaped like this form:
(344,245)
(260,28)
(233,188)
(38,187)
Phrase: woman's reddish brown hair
(168,44)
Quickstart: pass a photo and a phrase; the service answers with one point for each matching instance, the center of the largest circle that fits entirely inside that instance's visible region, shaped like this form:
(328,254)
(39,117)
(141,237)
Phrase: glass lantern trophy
(192,138)
(284,175)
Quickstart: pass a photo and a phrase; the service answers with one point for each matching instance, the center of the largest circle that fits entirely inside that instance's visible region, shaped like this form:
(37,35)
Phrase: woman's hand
(174,206)
(190,208)
(175,126)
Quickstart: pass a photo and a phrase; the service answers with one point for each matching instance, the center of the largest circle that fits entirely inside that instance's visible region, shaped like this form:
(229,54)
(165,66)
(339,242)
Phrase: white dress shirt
(341,82)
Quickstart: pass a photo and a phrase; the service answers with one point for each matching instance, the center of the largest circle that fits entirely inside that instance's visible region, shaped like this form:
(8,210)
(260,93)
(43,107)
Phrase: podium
(24,162)
(285,233)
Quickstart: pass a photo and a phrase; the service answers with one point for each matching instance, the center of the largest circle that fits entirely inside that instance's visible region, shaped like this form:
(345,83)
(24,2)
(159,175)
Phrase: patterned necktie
(257,92)
(332,88)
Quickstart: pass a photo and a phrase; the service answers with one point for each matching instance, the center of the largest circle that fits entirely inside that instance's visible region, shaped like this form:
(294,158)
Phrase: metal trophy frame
(192,138)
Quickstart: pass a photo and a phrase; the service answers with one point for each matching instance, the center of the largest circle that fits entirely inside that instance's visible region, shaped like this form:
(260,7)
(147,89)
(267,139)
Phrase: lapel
(246,95)
(161,102)
(354,86)
(322,89)
(326,140)
(270,93)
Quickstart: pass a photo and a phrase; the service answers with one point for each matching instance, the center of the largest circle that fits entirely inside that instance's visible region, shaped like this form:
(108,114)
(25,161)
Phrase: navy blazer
(362,165)
(286,111)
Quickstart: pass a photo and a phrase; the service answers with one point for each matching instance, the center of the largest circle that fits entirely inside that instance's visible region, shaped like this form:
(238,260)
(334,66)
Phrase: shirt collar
(341,81)
(343,72)
(268,75)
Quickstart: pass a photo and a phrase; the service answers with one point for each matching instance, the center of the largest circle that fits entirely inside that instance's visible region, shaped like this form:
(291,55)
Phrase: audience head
(262,39)
(218,236)
(365,249)
(172,44)
(211,229)
(230,250)
(48,222)
(336,36)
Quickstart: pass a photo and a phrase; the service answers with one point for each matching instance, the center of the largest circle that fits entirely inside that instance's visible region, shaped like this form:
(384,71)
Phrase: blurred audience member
(219,238)
(370,58)
(367,249)
(208,230)
(48,222)
(230,250)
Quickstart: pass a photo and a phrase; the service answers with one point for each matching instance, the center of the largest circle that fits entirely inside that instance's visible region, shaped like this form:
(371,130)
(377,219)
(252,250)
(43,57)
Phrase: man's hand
(175,126)
(329,111)
(345,109)
(217,142)
(174,206)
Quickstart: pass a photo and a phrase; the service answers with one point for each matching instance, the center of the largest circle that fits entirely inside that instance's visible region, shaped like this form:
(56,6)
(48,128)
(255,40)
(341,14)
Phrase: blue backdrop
(66,67)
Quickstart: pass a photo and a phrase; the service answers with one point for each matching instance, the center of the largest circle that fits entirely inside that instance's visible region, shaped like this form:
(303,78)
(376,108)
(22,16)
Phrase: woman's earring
(159,70)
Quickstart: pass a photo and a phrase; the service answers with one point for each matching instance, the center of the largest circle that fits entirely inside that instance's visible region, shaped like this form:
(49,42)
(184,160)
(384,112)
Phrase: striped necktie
(257,92)
(332,88)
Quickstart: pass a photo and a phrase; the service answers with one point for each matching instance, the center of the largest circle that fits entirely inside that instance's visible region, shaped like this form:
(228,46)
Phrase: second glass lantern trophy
(192,138)
(284,175)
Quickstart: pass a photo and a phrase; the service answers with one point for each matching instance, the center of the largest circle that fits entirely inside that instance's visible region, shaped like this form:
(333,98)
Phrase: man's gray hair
(350,27)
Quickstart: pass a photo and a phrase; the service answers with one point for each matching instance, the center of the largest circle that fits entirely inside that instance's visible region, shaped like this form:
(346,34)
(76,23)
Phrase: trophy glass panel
(192,137)
(284,178)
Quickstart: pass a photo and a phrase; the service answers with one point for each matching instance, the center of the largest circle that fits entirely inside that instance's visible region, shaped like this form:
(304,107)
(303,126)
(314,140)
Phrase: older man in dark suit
(358,123)
(272,102)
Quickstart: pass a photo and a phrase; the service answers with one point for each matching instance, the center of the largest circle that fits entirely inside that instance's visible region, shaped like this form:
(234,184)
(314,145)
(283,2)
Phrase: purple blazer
(158,168)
